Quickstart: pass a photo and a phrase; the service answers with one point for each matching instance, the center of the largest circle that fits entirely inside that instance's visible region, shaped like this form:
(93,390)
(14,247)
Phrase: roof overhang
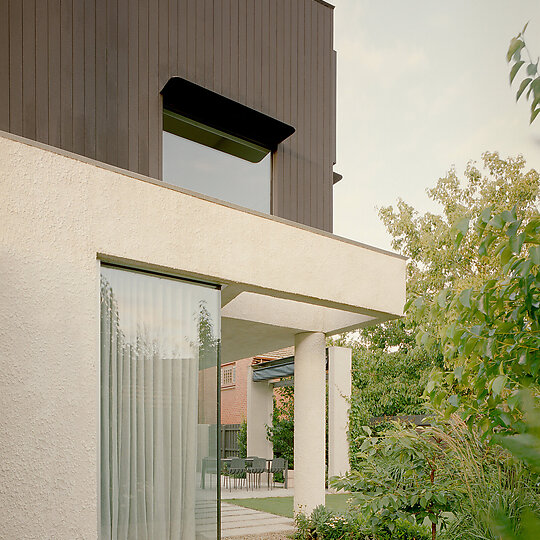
(209,108)
(278,278)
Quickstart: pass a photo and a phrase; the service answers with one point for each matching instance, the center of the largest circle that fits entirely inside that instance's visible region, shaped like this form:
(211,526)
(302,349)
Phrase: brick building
(234,384)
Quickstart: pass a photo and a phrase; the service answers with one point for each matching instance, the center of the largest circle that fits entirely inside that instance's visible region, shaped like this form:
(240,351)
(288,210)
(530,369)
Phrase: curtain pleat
(149,408)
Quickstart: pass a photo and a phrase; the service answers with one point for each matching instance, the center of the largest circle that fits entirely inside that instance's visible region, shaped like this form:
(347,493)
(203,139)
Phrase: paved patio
(238,522)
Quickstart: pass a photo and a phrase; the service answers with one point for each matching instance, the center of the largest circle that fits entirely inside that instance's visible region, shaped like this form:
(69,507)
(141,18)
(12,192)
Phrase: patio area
(240,522)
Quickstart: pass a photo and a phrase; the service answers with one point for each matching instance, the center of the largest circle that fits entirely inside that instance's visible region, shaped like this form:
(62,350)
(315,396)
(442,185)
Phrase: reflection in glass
(159,349)
(211,172)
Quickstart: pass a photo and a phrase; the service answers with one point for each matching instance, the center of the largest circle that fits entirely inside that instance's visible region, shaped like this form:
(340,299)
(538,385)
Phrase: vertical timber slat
(86,77)
(78,77)
(42,73)
(29,68)
(4,65)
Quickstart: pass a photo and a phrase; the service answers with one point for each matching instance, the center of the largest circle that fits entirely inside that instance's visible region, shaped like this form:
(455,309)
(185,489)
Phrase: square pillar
(260,406)
(309,421)
(339,394)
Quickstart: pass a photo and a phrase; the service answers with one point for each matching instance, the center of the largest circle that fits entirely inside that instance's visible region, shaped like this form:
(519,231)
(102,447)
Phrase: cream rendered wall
(260,405)
(58,212)
(339,395)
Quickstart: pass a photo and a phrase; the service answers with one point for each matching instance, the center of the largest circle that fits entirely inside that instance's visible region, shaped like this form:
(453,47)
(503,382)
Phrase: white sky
(422,85)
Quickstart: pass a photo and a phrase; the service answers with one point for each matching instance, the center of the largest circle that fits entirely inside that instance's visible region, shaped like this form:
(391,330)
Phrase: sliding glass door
(159,399)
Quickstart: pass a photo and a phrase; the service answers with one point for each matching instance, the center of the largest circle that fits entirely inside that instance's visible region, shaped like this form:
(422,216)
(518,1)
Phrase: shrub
(328,525)
(384,384)
(281,432)
(242,440)
(400,478)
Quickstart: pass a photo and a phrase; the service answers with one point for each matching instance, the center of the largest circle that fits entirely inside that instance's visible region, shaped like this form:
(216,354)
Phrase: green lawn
(283,506)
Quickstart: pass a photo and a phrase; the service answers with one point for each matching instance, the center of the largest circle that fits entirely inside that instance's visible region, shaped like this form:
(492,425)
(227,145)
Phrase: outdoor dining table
(208,462)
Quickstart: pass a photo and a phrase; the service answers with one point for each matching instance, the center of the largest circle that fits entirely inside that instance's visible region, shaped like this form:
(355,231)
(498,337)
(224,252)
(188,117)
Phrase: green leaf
(531,69)
(470,345)
(522,87)
(513,227)
(508,216)
(506,253)
(462,225)
(497,222)
(454,400)
(465,298)
(485,215)
(441,298)
(515,45)
(498,385)
(516,243)
(408,304)
(515,68)
(534,252)
(524,446)
(534,115)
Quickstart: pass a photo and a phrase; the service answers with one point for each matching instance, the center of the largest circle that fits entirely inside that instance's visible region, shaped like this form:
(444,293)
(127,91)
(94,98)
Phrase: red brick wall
(234,398)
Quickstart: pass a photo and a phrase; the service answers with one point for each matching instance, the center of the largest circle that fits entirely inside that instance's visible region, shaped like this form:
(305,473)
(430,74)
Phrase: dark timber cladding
(86,76)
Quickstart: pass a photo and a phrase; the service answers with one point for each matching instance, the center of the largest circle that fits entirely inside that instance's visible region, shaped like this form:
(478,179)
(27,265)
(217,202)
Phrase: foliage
(490,334)
(399,478)
(281,432)
(492,481)
(384,384)
(532,80)
(428,240)
(242,440)
(396,335)
(325,524)
(490,338)
(207,340)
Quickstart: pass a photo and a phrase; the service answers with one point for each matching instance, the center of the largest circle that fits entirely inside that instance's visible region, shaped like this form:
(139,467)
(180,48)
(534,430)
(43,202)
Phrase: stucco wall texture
(57,214)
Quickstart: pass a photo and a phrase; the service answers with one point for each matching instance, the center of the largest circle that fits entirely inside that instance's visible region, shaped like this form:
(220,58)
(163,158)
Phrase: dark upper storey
(86,75)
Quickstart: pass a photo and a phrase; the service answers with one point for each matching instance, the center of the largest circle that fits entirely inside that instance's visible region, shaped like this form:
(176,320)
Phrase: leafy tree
(532,81)
(384,384)
(398,479)
(490,333)
(281,432)
(428,240)
(490,336)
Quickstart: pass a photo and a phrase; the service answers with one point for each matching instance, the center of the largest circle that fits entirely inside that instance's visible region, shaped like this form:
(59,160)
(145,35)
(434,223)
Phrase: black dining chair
(255,471)
(237,470)
(276,465)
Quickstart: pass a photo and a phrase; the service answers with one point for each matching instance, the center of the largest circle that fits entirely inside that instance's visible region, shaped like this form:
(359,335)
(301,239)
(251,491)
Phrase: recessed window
(218,147)
(210,162)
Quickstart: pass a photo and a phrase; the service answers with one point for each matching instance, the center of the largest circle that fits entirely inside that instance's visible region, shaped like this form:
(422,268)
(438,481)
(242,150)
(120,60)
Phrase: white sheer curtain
(149,407)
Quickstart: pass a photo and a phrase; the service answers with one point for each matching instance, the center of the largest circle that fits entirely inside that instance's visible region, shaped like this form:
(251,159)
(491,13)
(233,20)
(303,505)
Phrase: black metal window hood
(208,108)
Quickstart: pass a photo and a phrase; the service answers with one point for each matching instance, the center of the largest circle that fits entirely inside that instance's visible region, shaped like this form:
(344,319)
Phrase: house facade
(166,173)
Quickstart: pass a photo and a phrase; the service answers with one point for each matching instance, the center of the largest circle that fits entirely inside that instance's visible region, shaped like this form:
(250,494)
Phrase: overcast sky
(423,85)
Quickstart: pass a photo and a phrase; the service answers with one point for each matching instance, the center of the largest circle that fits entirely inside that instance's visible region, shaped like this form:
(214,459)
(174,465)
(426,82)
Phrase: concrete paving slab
(237,522)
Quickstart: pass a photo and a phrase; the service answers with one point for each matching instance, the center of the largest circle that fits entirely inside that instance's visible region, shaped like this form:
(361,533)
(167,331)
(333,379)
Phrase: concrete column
(309,420)
(339,393)
(259,414)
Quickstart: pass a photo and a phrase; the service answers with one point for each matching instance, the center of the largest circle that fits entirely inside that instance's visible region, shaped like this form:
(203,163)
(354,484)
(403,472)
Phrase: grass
(283,506)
